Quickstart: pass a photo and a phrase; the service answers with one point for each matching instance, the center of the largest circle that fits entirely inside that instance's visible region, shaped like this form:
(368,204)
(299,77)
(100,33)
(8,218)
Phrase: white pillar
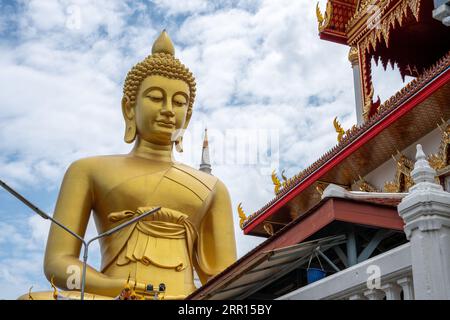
(354,60)
(392,290)
(407,287)
(426,212)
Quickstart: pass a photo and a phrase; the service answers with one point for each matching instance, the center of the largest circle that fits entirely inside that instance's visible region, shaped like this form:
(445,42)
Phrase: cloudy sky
(268,90)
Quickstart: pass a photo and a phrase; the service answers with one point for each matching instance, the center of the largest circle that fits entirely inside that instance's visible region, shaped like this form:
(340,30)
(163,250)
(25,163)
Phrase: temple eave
(336,37)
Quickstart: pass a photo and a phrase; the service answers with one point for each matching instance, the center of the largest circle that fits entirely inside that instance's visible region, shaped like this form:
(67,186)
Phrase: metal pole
(327,260)
(83,242)
(38,211)
(83,275)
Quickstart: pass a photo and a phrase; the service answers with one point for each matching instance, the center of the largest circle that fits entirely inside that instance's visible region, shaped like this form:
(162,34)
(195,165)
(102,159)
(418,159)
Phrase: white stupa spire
(205,164)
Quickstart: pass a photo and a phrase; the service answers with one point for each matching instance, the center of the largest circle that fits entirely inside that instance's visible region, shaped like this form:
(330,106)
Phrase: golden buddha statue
(193,230)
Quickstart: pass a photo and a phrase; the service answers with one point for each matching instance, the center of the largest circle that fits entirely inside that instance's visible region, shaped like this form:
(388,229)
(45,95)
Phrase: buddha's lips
(168,124)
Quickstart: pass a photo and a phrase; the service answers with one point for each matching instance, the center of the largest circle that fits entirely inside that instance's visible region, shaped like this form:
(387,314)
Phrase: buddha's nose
(167,109)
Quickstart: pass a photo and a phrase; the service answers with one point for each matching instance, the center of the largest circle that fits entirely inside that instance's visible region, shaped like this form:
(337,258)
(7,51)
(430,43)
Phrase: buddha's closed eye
(179,101)
(155,96)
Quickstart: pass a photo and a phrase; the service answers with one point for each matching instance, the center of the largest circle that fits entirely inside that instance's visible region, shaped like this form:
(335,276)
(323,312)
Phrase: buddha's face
(161,108)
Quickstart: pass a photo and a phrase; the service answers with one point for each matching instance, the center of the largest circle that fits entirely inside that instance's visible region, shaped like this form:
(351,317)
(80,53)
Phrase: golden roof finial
(276,182)
(339,130)
(319,15)
(163,44)
(242,215)
(324,20)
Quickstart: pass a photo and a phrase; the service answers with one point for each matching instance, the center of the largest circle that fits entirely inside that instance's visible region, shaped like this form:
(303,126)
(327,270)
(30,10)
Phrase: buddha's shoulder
(206,179)
(93,164)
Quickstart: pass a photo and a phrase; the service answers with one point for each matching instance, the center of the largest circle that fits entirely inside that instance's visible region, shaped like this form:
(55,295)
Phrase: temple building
(370,219)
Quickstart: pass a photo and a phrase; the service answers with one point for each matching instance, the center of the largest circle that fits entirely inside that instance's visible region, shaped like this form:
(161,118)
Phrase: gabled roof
(367,146)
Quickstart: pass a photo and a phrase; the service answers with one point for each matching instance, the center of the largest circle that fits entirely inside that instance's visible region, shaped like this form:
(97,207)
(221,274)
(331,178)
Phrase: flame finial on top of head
(163,44)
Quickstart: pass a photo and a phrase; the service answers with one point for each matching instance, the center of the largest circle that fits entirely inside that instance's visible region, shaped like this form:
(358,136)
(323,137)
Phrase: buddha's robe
(170,242)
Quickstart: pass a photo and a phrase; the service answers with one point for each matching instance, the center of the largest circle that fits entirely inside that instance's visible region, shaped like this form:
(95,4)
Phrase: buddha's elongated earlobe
(130,131)
(179,144)
(130,123)
(177,138)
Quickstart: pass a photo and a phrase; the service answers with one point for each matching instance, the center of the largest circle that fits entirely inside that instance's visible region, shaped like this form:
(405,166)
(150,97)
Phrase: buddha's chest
(169,188)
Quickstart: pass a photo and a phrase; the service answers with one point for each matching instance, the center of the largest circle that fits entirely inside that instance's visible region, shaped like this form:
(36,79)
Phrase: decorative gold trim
(402,180)
(353,54)
(368,102)
(320,187)
(441,159)
(365,186)
(268,227)
(379,25)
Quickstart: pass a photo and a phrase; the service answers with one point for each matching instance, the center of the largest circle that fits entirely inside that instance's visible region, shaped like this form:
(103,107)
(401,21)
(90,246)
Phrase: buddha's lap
(75,295)
(48,295)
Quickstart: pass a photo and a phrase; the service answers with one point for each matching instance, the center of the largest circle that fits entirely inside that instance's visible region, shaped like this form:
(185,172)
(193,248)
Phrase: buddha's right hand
(138,287)
(132,290)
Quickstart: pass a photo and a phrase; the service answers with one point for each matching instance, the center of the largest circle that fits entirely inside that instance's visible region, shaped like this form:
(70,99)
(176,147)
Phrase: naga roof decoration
(355,132)
(332,25)
(339,130)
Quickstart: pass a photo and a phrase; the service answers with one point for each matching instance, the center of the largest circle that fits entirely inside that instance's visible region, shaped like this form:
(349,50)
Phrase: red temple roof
(367,146)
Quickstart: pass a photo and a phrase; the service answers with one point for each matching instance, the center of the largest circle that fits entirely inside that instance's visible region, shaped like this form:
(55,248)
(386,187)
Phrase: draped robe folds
(170,239)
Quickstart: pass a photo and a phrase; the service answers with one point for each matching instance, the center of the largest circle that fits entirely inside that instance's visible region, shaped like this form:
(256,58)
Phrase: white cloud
(173,7)
(20,259)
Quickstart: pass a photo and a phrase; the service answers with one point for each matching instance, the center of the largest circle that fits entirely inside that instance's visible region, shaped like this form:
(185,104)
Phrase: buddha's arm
(217,248)
(73,209)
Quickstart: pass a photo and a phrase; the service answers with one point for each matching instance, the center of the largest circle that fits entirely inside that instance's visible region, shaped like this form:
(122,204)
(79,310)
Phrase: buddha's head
(158,96)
